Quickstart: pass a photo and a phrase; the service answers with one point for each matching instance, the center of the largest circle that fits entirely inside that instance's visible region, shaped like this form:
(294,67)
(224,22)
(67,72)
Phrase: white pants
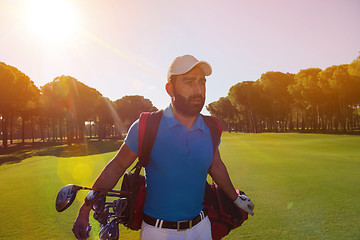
(201,231)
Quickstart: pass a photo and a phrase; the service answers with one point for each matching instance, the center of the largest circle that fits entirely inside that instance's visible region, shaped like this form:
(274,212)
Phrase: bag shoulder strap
(215,128)
(148,126)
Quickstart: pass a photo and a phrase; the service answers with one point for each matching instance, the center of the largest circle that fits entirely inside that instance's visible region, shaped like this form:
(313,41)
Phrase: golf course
(304,186)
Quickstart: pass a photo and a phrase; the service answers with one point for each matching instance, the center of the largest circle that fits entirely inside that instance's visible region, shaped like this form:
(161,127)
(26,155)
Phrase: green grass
(304,186)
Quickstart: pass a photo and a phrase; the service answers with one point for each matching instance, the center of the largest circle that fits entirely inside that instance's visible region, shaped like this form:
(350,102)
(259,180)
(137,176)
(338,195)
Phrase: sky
(125,47)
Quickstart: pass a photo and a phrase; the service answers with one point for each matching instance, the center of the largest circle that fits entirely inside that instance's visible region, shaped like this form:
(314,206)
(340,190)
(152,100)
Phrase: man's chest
(177,148)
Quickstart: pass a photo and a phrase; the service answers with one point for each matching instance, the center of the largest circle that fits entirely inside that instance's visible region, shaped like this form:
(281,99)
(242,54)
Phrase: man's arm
(107,180)
(113,171)
(219,174)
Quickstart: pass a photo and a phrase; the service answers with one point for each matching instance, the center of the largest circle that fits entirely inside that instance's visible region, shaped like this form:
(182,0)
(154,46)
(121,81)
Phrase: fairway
(304,186)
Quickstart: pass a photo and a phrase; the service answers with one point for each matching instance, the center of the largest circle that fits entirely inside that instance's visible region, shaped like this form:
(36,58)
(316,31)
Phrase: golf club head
(113,230)
(103,231)
(66,197)
(119,206)
(99,204)
(96,216)
(104,216)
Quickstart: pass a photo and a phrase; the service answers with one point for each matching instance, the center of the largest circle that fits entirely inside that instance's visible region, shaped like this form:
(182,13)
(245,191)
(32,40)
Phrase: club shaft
(102,190)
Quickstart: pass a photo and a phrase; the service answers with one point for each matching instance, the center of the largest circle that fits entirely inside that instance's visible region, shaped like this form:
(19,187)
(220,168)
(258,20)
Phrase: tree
(79,102)
(247,96)
(53,109)
(28,101)
(130,107)
(346,89)
(6,103)
(19,95)
(107,119)
(331,106)
(224,110)
(275,86)
(354,67)
(308,94)
(354,71)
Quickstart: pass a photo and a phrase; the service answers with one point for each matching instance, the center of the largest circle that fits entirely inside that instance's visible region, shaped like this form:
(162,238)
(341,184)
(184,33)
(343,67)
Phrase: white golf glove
(243,202)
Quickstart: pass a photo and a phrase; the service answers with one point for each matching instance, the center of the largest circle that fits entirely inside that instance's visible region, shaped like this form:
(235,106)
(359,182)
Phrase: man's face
(189,92)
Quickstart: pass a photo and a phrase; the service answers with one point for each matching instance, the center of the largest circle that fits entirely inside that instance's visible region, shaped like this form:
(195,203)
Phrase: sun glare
(51,20)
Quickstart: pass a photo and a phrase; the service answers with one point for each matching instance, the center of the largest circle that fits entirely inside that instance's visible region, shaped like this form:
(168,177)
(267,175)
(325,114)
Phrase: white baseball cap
(184,64)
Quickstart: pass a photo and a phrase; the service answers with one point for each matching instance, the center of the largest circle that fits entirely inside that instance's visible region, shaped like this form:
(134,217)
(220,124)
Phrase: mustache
(196,97)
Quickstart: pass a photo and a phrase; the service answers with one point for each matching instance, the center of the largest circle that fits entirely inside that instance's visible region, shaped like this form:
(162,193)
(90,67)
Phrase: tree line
(64,110)
(313,100)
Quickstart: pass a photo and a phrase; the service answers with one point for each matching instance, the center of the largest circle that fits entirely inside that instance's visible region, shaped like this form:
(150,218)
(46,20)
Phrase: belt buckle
(180,222)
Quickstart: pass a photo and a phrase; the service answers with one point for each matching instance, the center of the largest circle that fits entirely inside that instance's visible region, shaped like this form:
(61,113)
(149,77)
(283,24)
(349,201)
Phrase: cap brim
(205,67)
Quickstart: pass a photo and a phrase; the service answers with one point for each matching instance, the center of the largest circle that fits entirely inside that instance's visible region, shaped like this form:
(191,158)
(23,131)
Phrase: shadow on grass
(17,154)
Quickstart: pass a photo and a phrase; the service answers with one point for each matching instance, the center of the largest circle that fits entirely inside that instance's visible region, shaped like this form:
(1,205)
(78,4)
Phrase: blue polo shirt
(177,169)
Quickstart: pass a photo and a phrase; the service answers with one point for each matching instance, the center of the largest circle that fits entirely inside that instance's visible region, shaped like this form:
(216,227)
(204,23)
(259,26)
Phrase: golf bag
(134,182)
(224,215)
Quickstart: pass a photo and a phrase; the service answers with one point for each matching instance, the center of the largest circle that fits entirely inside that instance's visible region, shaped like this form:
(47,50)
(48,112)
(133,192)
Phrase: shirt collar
(172,121)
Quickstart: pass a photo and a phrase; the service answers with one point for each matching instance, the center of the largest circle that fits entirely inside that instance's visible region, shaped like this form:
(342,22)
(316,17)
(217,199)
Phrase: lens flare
(75,166)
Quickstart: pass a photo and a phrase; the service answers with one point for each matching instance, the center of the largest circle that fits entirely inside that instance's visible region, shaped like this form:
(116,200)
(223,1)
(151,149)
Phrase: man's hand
(244,202)
(82,227)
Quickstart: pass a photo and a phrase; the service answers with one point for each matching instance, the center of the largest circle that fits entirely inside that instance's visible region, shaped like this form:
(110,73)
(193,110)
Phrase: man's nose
(197,87)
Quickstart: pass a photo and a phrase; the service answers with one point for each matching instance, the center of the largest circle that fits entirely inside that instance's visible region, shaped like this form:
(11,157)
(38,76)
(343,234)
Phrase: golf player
(180,160)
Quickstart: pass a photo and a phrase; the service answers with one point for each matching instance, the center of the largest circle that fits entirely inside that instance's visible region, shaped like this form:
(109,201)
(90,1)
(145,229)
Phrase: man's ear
(169,89)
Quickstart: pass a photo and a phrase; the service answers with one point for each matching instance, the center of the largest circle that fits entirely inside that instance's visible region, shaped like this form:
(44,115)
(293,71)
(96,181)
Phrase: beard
(185,106)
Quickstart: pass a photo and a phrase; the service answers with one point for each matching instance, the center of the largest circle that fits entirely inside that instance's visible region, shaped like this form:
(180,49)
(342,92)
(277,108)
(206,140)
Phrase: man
(180,160)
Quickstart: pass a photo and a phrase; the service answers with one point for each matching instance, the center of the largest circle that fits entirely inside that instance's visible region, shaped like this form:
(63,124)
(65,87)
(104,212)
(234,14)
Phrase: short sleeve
(131,139)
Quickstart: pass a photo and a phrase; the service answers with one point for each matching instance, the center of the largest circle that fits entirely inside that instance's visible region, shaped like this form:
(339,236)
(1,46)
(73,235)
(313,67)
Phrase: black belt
(180,225)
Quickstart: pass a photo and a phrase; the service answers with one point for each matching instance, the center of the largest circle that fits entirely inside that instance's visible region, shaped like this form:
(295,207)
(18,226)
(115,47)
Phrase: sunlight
(52,20)
(118,123)
(123,54)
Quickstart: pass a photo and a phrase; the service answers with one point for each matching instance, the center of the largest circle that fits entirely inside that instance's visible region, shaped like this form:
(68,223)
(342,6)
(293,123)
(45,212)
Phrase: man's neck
(186,120)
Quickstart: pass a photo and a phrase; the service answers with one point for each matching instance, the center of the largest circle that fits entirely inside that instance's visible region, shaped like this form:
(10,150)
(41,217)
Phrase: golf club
(100,204)
(119,206)
(103,231)
(68,193)
(113,230)
(104,216)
